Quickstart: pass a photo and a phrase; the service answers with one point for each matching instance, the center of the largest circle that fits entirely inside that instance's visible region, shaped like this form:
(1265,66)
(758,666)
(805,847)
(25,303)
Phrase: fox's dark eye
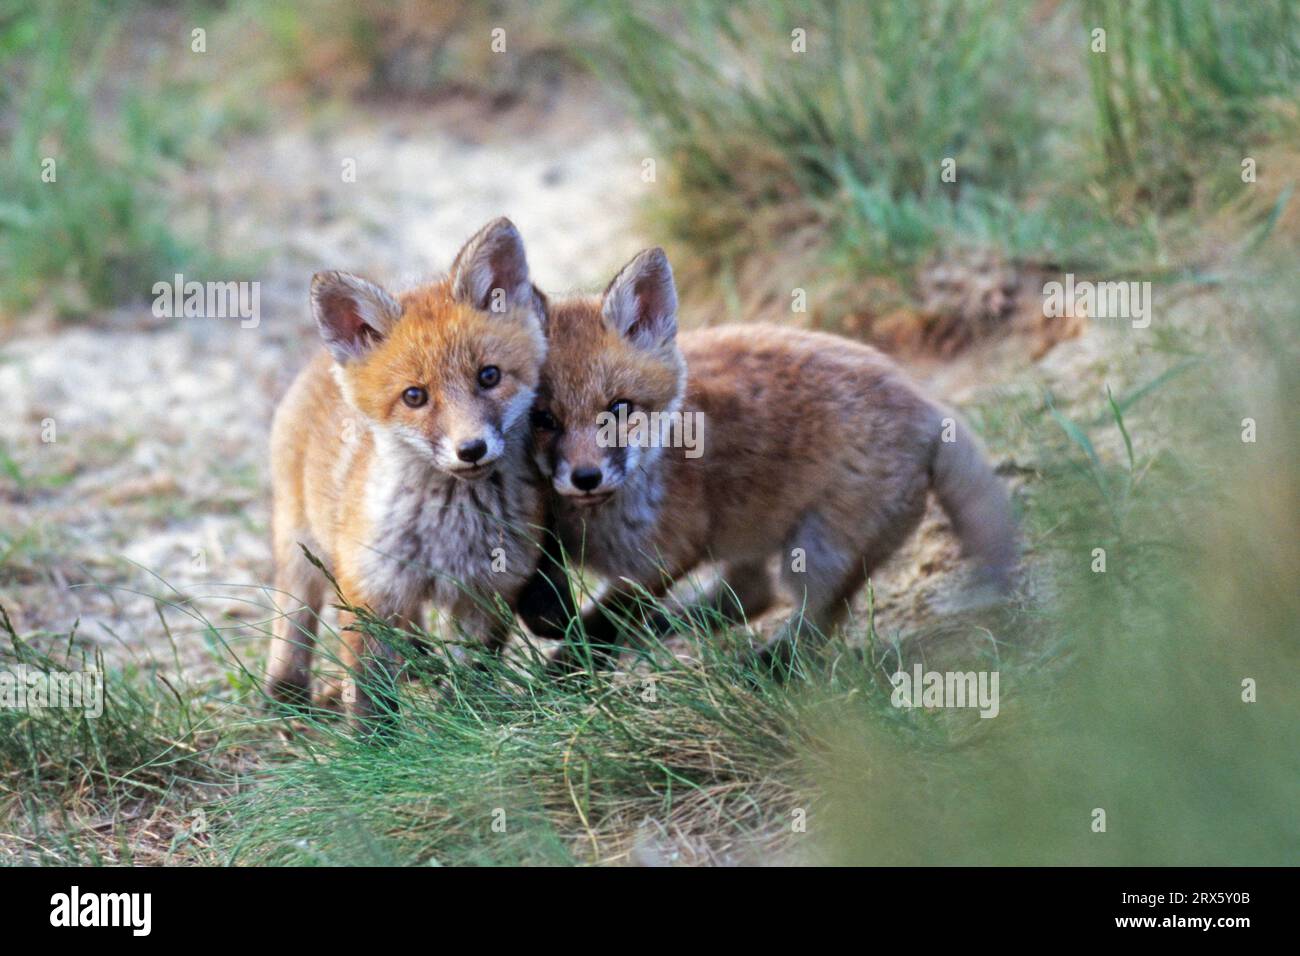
(544,420)
(620,406)
(488,376)
(414,397)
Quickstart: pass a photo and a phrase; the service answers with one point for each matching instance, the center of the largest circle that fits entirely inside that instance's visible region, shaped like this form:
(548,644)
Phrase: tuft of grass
(492,761)
(118,778)
(852,130)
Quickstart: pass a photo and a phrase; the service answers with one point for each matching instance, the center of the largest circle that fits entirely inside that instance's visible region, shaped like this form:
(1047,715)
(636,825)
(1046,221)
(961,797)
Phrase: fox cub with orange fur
(400,457)
(815,450)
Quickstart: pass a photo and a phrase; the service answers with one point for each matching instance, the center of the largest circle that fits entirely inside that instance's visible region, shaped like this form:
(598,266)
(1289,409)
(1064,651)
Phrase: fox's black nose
(586,479)
(471,451)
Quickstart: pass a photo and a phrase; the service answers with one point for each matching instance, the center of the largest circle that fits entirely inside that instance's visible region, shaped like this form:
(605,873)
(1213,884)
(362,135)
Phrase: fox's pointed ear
(352,314)
(641,302)
(491,272)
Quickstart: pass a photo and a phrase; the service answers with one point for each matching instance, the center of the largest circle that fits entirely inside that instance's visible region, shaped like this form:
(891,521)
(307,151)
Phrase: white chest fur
(438,537)
(617,539)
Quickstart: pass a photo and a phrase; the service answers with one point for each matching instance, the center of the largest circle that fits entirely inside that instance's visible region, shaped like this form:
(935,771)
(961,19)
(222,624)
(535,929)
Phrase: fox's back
(791,414)
(793,402)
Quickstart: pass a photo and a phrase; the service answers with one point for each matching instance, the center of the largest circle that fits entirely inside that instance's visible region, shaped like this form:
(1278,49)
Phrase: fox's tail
(978,506)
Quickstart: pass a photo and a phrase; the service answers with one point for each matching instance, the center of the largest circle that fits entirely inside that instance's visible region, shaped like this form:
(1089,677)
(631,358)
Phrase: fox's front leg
(288,672)
(480,623)
(370,664)
(371,668)
(485,622)
(332,693)
(545,603)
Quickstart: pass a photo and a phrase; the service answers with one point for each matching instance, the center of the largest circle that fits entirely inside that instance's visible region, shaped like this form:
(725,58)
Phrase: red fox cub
(400,457)
(805,447)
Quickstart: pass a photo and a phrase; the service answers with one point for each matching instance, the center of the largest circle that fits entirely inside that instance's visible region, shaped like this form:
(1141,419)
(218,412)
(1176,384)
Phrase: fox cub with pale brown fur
(816,452)
(400,457)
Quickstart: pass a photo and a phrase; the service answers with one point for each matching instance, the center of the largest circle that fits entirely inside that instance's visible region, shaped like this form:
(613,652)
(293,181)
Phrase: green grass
(75,786)
(565,773)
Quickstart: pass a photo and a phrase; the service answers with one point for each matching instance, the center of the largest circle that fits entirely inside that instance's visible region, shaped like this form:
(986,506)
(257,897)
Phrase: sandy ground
(144,522)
